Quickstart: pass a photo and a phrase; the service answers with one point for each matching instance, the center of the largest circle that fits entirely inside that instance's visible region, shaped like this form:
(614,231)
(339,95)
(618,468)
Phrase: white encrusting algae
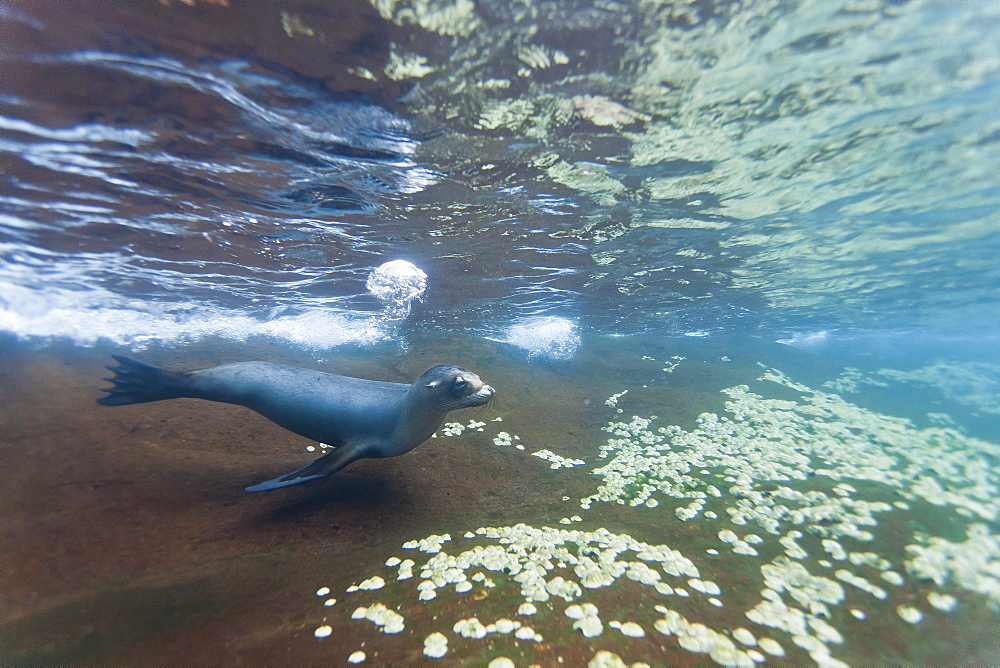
(792,469)
(388,621)
(557,461)
(436,645)
(585,619)
(910,614)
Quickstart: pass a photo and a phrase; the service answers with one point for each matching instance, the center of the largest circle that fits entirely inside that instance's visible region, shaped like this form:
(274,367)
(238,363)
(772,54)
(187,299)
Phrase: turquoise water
(731,268)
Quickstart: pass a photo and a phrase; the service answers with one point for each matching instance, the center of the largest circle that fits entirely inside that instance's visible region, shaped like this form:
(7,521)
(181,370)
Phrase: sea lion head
(453,387)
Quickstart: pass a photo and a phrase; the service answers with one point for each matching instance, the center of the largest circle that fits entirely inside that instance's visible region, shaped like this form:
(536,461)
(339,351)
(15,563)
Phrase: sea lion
(358,418)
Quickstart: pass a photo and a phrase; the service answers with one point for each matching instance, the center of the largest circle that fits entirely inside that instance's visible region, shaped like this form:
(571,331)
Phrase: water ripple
(704,170)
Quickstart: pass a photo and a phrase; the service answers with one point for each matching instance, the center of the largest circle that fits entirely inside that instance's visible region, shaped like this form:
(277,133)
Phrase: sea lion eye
(460,383)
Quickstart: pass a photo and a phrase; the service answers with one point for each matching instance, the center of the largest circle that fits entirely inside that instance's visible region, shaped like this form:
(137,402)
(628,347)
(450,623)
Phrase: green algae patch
(445,17)
(404,65)
(589,178)
(509,114)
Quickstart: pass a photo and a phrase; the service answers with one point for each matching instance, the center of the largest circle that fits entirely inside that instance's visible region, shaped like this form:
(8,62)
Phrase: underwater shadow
(351,495)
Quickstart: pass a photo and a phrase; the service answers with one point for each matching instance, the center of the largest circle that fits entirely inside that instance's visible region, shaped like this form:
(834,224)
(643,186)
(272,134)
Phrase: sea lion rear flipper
(136,382)
(324,466)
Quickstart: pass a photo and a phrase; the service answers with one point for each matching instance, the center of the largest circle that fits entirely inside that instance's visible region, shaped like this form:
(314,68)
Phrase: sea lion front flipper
(324,466)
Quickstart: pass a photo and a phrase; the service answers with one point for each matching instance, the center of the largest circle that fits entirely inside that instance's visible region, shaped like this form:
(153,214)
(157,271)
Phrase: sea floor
(850,522)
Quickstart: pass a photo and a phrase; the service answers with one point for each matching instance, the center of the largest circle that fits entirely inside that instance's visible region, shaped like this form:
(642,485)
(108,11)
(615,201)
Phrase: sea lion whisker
(460,403)
(451,406)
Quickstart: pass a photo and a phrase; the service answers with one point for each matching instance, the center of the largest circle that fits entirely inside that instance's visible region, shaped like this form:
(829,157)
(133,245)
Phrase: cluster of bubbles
(397,283)
(551,337)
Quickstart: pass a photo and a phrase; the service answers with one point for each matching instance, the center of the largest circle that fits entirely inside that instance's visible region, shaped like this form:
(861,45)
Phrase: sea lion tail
(324,466)
(136,382)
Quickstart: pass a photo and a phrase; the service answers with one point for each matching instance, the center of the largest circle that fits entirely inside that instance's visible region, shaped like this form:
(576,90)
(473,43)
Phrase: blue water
(811,185)
(780,168)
